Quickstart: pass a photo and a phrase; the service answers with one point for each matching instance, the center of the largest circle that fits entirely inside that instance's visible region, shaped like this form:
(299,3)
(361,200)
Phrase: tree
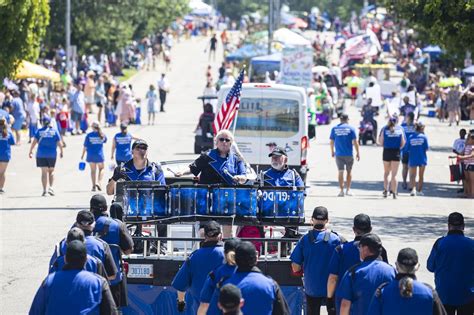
(22,27)
(236,8)
(448,23)
(341,8)
(108,26)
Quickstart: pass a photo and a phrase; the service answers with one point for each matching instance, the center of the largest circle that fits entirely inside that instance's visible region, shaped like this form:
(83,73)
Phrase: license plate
(140,271)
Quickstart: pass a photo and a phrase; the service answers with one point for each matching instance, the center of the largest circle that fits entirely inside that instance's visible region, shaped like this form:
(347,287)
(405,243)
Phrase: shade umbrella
(354,81)
(452,81)
(469,70)
(28,70)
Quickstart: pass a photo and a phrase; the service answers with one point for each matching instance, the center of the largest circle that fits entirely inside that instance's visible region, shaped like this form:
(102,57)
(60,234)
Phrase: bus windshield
(267,117)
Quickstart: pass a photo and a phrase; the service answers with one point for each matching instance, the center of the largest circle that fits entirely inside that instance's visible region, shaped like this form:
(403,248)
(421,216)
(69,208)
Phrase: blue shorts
(18,123)
(94,159)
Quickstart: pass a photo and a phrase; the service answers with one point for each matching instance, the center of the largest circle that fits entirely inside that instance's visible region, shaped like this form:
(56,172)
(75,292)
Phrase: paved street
(30,225)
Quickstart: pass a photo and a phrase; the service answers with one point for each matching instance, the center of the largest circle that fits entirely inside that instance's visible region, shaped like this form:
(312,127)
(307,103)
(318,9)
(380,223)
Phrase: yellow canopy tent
(28,70)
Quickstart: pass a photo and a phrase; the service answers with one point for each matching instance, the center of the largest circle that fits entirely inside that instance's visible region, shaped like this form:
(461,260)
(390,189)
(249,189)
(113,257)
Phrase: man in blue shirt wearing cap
(74,290)
(343,137)
(405,294)
(138,168)
(360,281)
(311,255)
(452,261)
(347,255)
(262,295)
(193,273)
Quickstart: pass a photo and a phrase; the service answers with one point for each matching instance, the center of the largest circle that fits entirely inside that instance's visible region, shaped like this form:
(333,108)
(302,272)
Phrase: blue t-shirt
(48,139)
(417,146)
(343,135)
(123,143)
(284,178)
(359,285)
(209,292)
(5,144)
(17,108)
(5,114)
(95,147)
(409,131)
(392,140)
(314,253)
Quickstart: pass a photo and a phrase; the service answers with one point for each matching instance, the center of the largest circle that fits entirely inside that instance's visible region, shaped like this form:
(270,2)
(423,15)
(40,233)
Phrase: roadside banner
(296,65)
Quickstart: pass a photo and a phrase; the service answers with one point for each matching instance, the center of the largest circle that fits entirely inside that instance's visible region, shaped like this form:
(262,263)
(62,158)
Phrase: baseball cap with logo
(278,151)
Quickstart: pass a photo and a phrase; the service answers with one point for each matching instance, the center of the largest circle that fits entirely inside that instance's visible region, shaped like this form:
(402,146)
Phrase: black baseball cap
(320,213)
(278,151)
(75,234)
(139,143)
(212,228)
(85,217)
(407,257)
(344,117)
(123,126)
(456,219)
(230,296)
(98,202)
(76,252)
(246,255)
(372,241)
(231,244)
(362,222)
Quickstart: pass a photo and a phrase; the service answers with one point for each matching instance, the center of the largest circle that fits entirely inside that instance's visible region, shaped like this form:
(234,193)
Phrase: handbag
(456,171)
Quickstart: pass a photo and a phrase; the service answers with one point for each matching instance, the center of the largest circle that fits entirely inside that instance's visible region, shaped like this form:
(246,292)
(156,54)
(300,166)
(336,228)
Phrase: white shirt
(34,111)
(459,145)
(164,84)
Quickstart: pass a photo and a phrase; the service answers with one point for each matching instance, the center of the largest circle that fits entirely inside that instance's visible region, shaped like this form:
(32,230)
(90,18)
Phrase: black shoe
(385,194)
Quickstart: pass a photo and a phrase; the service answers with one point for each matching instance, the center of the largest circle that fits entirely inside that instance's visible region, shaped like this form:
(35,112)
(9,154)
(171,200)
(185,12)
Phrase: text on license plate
(140,271)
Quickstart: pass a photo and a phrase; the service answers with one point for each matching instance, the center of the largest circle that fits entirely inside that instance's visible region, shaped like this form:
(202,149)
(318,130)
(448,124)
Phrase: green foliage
(236,8)
(22,26)
(341,8)
(107,26)
(448,23)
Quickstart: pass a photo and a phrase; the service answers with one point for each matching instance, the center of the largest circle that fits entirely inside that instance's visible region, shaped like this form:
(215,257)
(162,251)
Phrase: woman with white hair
(94,146)
(219,165)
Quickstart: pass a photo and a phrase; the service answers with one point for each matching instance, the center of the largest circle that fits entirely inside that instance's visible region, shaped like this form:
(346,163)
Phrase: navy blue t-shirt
(123,143)
(95,147)
(417,146)
(314,256)
(409,131)
(393,140)
(343,135)
(5,146)
(48,139)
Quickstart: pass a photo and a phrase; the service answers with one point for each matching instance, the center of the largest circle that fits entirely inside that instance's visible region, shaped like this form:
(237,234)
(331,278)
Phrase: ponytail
(391,126)
(3,127)
(406,287)
(100,132)
(230,258)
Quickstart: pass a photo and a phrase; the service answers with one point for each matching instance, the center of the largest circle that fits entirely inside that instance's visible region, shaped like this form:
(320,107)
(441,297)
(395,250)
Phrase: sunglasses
(224,140)
(141,147)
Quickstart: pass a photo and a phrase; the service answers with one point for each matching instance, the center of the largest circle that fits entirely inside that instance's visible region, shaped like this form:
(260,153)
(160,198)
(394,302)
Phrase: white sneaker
(349,193)
(413,192)
(420,193)
(341,194)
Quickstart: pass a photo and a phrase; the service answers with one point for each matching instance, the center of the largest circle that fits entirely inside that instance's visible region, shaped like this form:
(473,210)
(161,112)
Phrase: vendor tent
(199,8)
(289,38)
(28,70)
(246,52)
(468,71)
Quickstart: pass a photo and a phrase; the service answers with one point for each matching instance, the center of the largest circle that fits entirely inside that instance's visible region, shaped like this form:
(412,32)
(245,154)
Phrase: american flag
(229,108)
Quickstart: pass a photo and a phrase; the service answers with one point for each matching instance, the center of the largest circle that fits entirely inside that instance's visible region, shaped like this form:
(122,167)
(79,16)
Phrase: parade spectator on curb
(417,146)
(48,140)
(468,161)
(33,116)
(18,112)
(78,108)
(6,141)
(451,262)
(152,98)
(343,137)
(392,138)
(453,99)
(460,143)
(89,91)
(94,146)
(163,88)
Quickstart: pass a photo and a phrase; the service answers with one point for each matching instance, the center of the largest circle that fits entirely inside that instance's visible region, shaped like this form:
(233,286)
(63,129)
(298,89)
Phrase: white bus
(271,115)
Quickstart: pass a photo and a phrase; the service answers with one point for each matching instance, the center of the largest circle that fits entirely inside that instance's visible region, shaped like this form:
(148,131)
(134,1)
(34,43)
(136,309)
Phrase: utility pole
(270,25)
(68,36)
